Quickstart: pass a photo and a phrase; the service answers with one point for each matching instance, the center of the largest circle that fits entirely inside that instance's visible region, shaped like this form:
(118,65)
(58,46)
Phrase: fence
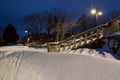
(85,37)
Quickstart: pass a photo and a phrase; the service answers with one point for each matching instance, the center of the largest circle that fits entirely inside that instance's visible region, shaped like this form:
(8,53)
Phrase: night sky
(13,11)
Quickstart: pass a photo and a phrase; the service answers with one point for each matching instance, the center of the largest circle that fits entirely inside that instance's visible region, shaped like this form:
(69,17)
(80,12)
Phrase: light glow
(26,31)
(93,11)
(100,13)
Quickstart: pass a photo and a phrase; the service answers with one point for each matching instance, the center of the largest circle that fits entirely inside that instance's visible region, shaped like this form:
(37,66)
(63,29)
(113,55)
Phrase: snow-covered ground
(23,63)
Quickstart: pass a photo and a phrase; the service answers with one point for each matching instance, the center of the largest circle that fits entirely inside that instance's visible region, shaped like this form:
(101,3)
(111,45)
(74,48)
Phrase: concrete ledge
(53,47)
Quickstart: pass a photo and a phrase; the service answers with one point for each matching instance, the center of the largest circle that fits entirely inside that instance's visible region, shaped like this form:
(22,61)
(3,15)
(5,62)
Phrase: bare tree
(54,21)
(57,20)
(35,22)
(110,15)
(82,23)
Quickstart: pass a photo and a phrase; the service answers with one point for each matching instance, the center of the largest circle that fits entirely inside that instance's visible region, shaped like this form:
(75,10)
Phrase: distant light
(93,11)
(26,31)
(100,13)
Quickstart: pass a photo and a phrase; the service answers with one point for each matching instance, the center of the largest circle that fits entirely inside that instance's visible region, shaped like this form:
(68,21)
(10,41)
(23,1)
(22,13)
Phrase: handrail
(82,33)
(82,37)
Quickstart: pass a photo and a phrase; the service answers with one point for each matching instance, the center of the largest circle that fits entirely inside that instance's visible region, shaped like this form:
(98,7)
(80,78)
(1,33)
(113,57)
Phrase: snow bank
(67,67)
(100,52)
(25,63)
(21,48)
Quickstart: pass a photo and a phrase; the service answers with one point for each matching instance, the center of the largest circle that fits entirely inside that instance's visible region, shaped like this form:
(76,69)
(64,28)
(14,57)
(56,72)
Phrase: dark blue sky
(13,11)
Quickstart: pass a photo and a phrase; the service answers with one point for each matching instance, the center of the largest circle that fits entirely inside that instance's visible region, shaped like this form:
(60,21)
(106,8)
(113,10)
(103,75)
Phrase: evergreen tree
(10,35)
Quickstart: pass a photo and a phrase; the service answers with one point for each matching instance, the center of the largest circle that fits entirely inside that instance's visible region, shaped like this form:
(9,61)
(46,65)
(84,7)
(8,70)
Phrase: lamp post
(28,39)
(96,12)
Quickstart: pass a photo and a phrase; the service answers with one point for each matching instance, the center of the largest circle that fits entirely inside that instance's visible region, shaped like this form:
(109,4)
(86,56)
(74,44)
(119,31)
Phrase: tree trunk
(62,35)
(56,36)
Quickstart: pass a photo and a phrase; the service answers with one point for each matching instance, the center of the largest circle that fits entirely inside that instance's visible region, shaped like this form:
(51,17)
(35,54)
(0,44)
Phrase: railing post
(63,46)
(80,43)
(69,45)
(91,33)
(98,33)
(74,42)
(85,39)
(101,32)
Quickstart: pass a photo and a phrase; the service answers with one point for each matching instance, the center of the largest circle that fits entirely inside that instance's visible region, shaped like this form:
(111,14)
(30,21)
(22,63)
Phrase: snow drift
(23,63)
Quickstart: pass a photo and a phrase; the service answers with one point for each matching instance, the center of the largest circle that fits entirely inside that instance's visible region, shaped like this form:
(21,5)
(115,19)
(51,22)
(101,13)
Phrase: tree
(113,14)
(82,23)
(35,22)
(57,20)
(1,31)
(110,15)
(10,35)
(53,22)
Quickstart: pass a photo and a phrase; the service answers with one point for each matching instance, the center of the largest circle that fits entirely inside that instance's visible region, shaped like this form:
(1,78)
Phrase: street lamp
(28,39)
(26,31)
(97,12)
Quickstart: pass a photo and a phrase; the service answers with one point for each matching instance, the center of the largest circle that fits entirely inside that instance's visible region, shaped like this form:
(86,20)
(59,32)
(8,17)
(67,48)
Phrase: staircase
(84,38)
(81,39)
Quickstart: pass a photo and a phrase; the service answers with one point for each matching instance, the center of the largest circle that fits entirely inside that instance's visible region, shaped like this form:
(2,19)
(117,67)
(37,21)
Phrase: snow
(114,34)
(103,52)
(117,33)
(23,63)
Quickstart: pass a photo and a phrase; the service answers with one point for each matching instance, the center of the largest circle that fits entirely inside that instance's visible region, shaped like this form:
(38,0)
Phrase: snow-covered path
(22,63)
(9,65)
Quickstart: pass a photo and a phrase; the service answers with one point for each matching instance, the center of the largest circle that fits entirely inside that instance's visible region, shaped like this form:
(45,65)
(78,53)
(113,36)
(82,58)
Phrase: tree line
(52,22)
(52,26)
(58,23)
